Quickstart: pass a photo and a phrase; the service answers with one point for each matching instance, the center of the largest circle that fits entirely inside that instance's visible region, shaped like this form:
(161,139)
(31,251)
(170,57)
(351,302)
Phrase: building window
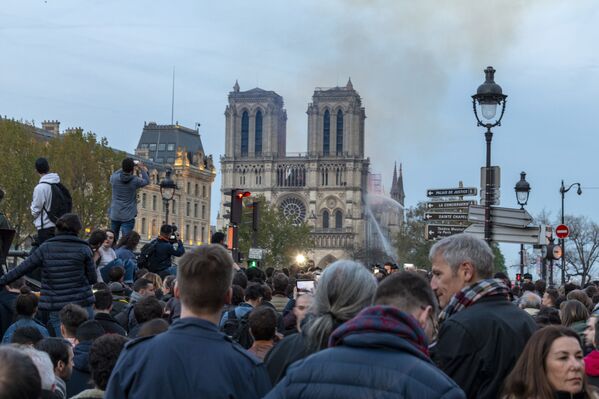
(143,200)
(174,207)
(188,188)
(143,146)
(258,147)
(161,147)
(153,202)
(187,209)
(195,210)
(203,211)
(326,133)
(152,147)
(196,191)
(195,233)
(339,132)
(143,226)
(203,237)
(204,191)
(245,133)
(338,219)
(171,147)
(187,232)
(154,230)
(325,220)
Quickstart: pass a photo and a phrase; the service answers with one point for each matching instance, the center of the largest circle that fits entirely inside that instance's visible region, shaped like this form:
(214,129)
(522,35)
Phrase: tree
(582,247)
(281,238)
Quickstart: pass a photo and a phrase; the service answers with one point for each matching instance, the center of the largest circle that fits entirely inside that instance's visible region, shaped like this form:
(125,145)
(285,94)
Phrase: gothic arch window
(245,133)
(326,133)
(258,146)
(339,132)
(325,219)
(338,219)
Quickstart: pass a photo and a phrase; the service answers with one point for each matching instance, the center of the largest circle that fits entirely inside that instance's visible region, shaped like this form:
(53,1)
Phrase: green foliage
(278,235)
(410,242)
(499,260)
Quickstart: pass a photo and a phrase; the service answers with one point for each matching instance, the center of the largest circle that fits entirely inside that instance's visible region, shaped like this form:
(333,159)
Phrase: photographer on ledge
(160,262)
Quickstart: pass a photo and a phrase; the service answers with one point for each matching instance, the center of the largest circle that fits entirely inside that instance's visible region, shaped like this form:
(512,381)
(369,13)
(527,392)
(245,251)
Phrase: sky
(107,66)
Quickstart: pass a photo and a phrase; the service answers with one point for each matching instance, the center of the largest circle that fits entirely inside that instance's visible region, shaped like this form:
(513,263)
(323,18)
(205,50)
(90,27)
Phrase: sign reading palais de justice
(451,192)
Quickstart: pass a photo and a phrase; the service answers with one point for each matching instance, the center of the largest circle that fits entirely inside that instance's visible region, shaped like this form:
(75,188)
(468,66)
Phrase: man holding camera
(160,259)
(123,208)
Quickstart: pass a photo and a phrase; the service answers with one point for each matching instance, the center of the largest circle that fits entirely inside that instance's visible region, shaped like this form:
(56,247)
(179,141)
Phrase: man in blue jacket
(382,352)
(192,359)
(123,207)
(161,258)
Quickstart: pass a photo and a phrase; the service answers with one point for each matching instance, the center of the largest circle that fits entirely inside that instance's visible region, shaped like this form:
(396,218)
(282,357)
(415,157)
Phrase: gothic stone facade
(325,186)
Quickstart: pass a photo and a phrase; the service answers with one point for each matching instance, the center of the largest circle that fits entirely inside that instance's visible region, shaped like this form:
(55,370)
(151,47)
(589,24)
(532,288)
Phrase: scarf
(472,293)
(383,319)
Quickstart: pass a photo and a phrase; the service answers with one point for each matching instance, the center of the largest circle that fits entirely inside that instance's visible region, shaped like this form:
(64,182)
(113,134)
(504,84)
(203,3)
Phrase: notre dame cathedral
(326,186)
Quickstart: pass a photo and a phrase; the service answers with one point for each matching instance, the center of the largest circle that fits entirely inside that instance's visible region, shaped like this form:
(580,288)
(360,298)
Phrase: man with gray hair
(530,303)
(481,333)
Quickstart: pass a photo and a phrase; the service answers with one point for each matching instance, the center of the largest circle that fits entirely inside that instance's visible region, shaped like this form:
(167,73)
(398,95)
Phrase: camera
(136,162)
(173,238)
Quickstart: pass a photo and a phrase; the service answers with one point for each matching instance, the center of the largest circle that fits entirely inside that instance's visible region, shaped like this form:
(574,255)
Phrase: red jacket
(591,364)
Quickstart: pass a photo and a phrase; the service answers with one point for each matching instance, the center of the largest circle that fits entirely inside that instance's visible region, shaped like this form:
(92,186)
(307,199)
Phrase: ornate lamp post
(563,190)
(167,190)
(522,192)
(488,96)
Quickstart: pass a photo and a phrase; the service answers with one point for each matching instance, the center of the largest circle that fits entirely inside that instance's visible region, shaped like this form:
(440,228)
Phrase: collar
(193,322)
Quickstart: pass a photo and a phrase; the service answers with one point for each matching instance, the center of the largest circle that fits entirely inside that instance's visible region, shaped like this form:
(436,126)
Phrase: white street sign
(255,253)
(500,216)
(526,235)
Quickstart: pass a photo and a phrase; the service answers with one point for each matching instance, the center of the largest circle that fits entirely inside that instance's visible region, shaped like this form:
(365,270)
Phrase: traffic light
(518,277)
(237,197)
(252,263)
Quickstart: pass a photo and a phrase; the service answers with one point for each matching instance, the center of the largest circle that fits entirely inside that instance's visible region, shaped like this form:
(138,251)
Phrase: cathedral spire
(394,188)
(236,87)
(349,85)
(402,194)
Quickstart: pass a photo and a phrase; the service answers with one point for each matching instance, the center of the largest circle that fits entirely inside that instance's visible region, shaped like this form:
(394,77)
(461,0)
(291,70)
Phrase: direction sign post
(434,231)
(449,204)
(446,216)
(451,192)
(526,235)
(500,216)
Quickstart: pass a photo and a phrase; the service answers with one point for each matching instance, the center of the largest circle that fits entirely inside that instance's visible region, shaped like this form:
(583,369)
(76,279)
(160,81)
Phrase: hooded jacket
(42,198)
(81,378)
(124,201)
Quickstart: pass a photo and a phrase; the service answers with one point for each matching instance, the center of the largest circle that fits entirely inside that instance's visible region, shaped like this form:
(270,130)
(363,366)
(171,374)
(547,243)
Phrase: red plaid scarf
(472,293)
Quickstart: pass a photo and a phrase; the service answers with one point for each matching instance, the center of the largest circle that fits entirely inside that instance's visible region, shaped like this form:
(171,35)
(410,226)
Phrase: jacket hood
(591,364)
(81,356)
(383,327)
(124,176)
(51,178)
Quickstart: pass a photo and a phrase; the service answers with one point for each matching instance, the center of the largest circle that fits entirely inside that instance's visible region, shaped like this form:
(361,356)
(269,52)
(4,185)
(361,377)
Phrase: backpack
(60,203)
(238,329)
(143,259)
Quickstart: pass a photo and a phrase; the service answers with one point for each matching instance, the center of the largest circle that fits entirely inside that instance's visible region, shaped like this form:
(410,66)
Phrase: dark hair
(128,165)
(71,317)
(129,240)
(115,274)
(113,236)
(166,229)
(217,238)
(69,223)
(528,378)
(405,290)
(169,282)
(89,331)
(528,287)
(140,284)
(103,355)
(101,286)
(553,294)
(263,323)
(591,291)
(253,292)
(19,378)
(596,337)
(204,276)
(255,275)
(17,284)
(26,303)
(147,309)
(570,287)
(42,165)
(582,297)
(540,286)
(280,282)
(140,273)
(152,327)
(238,295)
(240,279)
(548,316)
(103,299)
(56,348)
(96,238)
(26,336)
(573,311)
(269,271)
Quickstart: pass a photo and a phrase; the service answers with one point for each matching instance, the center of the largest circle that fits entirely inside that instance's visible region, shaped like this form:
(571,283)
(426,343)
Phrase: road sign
(449,204)
(526,235)
(446,216)
(255,253)
(495,195)
(562,231)
(500,216)
(434,231)
(451,192)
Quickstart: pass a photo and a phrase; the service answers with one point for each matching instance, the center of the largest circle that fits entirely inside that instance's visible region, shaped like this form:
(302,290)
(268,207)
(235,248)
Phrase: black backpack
(238,329)
(60,203)
(143,259)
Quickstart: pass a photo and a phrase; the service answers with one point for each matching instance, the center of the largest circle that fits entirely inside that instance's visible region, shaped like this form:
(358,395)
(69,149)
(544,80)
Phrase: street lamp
(522,189)
(563,190)
(167,190)
(488,96)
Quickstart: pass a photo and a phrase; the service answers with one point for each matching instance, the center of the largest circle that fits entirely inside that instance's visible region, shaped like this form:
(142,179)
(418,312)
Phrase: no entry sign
(562,231)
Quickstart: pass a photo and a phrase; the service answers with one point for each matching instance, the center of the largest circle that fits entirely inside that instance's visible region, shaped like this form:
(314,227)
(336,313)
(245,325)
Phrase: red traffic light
(242,194)
(518,277)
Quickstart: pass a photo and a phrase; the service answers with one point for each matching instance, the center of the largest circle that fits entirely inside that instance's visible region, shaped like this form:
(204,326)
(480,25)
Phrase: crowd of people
(112,322)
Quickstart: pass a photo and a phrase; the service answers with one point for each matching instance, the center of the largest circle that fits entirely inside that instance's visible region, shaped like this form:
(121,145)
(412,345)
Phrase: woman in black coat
(67,267)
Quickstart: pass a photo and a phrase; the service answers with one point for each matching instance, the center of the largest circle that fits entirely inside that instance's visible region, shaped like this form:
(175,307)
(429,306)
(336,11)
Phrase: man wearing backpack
(123,207)
(50,201)
(235,323)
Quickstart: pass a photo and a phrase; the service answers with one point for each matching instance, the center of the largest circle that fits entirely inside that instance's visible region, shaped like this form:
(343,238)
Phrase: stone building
(180,148)
(326,186)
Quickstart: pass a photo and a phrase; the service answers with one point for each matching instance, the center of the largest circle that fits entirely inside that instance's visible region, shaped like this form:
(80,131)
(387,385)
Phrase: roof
(173,137)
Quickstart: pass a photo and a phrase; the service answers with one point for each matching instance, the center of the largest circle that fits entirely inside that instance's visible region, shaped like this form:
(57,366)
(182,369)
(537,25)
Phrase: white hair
(530,300)
(44,366)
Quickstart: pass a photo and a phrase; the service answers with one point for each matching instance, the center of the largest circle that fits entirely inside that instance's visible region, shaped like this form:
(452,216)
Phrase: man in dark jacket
(81,376)
(123,208)
(390,342)
(102,308)
(192,359)
(8,296)
(160,261)
(482,333)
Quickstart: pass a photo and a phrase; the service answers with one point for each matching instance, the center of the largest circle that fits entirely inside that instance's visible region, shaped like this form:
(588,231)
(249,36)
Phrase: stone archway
(327,260)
